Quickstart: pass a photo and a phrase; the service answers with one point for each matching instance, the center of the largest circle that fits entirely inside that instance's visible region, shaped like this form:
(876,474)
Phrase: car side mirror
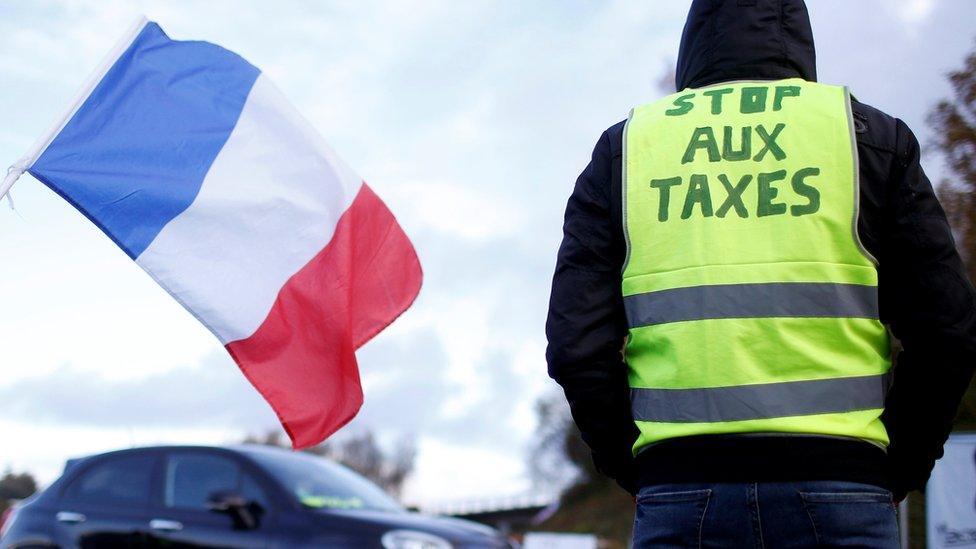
(243,512)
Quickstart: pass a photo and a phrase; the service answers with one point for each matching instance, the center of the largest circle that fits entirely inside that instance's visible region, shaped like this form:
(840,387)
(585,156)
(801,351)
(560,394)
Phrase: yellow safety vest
(752,305)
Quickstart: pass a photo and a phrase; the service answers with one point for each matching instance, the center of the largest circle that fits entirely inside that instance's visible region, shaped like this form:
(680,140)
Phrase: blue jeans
(766,515)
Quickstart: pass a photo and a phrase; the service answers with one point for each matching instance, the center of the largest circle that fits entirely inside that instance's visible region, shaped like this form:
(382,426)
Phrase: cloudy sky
(471,119)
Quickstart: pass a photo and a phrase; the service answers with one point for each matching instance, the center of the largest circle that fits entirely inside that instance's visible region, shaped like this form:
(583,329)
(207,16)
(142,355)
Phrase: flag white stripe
(268,205)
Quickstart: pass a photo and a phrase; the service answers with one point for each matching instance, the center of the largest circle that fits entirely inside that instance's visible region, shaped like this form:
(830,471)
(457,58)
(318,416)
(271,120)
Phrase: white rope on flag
(13,174)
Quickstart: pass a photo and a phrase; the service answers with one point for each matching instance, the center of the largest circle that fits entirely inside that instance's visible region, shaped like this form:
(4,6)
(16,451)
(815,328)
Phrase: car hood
(455,530)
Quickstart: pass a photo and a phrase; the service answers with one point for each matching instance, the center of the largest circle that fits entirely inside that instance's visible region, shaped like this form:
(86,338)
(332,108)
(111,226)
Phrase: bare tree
(558,456)
(589,501)
(15,487)
(362,454)
(954,122)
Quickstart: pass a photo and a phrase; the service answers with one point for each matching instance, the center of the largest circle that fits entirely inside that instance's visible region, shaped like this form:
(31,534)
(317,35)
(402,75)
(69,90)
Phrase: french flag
(191,160)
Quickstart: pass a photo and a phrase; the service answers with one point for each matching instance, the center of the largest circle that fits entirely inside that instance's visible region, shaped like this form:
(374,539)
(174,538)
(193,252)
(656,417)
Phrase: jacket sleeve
(586,327)
(932,311)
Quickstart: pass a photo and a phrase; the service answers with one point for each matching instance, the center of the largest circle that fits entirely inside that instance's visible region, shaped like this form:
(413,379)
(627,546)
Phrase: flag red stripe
(302,358)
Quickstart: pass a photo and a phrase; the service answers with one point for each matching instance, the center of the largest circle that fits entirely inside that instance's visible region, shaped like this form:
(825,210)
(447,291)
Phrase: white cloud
(913,11)
(457,472)
(458,210)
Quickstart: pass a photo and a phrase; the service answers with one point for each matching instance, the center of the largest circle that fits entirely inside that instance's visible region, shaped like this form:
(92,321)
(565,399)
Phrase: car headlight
(412,539)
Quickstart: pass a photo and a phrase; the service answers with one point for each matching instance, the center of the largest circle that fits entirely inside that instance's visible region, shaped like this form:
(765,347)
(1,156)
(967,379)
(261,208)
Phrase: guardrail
(489,505)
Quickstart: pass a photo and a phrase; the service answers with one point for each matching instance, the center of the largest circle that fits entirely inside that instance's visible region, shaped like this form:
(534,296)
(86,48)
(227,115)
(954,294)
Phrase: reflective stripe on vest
(775,299)
(751,303)
(769,400)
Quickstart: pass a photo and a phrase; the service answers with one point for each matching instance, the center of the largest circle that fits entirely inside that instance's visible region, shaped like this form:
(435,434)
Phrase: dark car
(240,496)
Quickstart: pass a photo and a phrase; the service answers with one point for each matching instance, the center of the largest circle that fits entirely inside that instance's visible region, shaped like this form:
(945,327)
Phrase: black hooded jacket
(925,297)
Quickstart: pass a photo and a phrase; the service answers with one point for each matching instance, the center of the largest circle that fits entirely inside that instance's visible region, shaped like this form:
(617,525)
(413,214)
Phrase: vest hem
(762,458)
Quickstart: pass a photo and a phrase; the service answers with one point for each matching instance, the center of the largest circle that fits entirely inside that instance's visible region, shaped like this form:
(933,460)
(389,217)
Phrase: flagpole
(24,163)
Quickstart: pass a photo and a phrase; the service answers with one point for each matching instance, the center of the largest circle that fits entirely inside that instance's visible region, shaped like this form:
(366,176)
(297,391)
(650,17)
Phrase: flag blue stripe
(135,154)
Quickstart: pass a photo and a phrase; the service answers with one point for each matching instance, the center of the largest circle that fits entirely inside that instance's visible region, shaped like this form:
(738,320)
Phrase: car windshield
(321,484)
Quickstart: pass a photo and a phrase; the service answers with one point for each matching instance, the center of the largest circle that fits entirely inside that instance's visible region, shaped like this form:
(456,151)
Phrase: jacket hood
(727,40)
